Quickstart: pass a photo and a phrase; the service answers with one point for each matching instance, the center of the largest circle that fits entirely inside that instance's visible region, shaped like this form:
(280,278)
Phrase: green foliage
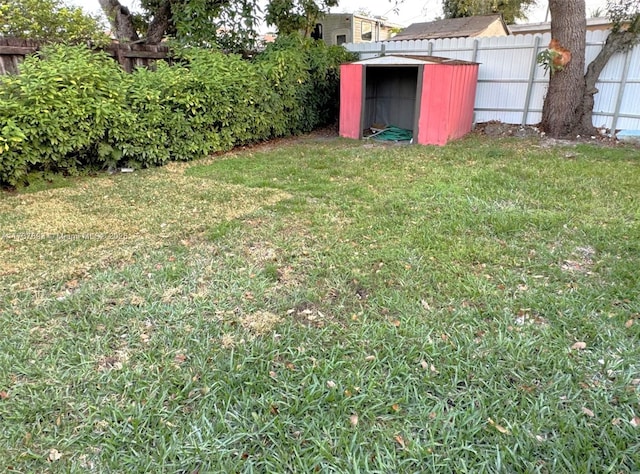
(70,108)
(291,16)
(304,74)
(230,25)
(511,10)
(624,15)
(49,20)
(546,59)
(57,110)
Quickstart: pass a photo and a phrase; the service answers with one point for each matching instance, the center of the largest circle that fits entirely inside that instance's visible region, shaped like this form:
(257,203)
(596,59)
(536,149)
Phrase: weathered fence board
(129,56)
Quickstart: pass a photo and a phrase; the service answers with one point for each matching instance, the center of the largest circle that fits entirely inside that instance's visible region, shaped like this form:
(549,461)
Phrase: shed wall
(448,95)
(351,95)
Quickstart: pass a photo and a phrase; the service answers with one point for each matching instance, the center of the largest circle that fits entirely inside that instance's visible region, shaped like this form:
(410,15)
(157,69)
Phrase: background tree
(231,24)
(49,21)
(568,105)
(289,16)
(511,10)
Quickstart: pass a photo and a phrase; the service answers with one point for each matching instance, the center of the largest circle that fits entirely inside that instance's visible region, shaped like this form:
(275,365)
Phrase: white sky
(409,11)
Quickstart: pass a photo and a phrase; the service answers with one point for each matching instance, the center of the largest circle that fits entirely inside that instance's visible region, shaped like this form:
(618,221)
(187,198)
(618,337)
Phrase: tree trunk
(563,104)
(617,41)
(160,23)
(120,19)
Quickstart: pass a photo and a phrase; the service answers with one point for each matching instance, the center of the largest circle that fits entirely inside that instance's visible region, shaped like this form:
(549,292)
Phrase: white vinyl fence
(512,86)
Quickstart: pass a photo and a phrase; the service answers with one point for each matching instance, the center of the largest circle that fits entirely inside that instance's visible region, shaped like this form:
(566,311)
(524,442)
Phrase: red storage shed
(431,96)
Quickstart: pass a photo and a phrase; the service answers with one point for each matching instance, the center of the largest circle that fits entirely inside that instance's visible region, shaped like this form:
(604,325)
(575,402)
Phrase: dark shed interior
(390,96)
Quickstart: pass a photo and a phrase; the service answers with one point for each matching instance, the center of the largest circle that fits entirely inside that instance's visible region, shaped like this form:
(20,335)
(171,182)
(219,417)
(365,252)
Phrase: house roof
(533,28)
(410,60)
(450,28)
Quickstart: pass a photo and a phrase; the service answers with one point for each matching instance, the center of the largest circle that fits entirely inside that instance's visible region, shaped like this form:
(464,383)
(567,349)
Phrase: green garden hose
(393,134)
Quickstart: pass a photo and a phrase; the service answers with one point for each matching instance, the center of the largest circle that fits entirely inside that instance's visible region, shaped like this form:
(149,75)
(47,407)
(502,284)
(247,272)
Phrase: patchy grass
(64,233)
(330,306)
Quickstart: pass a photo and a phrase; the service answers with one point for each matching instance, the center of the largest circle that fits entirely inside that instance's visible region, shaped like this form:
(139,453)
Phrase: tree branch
(617,41)
(160,23)
(120,19)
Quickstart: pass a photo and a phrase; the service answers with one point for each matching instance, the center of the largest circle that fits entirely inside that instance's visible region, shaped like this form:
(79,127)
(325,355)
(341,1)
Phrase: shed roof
(410,60)
(450,28)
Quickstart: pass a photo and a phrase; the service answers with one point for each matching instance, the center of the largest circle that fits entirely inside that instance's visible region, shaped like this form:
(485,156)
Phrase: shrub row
(71,108)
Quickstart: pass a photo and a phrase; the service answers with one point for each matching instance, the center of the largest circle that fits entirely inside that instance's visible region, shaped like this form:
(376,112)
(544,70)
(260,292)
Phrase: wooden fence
(129,56)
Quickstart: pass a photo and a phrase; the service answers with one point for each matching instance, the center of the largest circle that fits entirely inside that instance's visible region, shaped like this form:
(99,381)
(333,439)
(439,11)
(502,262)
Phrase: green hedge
(71,108)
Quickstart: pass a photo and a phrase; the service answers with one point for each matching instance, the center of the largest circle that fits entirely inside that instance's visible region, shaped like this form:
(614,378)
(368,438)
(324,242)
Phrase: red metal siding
(351,96)
(433,122)
(465,94)
(448,97)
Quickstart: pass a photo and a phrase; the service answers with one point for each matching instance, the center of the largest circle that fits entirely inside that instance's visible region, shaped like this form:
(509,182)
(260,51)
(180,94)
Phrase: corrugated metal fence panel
(512,86)
(630,104)
(609,84)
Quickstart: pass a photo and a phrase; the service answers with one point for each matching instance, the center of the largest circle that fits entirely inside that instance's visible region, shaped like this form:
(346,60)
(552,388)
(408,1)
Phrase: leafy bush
(305,76)
(71,108)
(56,110)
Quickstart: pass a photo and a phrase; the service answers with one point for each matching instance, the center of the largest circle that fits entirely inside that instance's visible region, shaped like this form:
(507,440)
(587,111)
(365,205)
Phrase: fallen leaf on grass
(4,395)
(616,421)
(635,421)
(353,419)
(54,455)
(179,358)
(400,440)
(395,407)
(369,358)
(628,324)
(331,384)
(500,428)
(588,412)
(579,346)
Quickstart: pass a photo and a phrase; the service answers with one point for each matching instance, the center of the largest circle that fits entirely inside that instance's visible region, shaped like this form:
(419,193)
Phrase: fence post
(383,49)
(623,85)
(474,54)
(430,49)
(532,75)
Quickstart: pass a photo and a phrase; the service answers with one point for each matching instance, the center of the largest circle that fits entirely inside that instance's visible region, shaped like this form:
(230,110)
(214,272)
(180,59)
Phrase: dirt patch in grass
(260,322)
(64,233)
(582,261)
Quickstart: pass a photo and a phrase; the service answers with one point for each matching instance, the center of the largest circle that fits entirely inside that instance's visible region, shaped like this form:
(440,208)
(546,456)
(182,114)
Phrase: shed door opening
(390,97)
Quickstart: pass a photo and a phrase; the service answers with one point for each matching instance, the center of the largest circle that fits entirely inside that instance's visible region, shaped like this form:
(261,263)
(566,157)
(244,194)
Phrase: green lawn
(323,305)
